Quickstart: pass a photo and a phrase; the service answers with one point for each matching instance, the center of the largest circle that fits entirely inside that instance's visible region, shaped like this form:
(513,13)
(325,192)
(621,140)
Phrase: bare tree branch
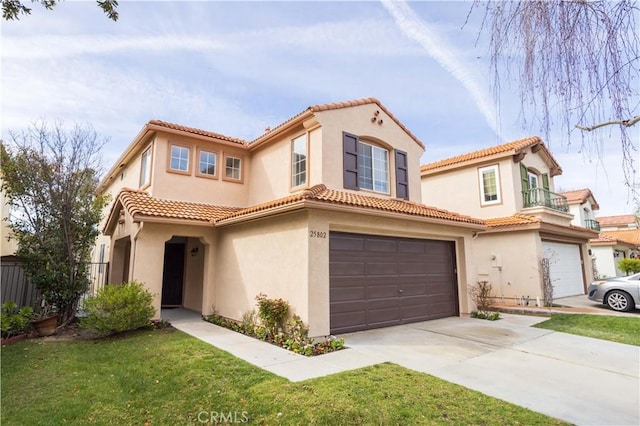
(626,123)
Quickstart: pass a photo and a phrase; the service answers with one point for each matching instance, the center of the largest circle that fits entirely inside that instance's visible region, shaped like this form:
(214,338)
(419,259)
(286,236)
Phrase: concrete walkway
(578,379)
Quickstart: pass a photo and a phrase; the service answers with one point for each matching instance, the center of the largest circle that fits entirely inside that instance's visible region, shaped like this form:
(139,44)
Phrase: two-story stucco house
(529,228)
(324,210)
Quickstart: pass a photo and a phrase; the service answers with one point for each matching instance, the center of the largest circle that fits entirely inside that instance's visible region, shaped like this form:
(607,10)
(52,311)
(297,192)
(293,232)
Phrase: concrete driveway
(578,379)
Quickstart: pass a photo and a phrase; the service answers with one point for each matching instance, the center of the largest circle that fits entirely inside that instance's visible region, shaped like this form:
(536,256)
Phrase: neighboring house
(8,246)
(582,205)
(619,239)
(511,186)
(619,223)
(325,211)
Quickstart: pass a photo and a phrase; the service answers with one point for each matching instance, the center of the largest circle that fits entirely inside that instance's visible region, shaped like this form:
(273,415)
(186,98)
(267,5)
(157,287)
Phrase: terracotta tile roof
(195,131)
(515,220)
(322,194)
(339,105)
(620,220)
(141,203)
(510,148)
(580,196)
(630,236)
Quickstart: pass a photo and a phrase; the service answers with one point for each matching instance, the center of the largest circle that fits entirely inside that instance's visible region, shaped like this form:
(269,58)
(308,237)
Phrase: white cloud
(445,54)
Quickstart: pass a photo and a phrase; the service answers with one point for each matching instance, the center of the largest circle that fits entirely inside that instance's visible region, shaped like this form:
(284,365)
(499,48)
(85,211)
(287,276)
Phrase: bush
(15,321)
(272,312)
(481,295)
(118,308)
(629,266)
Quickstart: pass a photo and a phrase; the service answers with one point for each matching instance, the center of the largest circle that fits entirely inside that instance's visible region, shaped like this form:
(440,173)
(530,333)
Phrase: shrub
(481,295)
(272,312)
(118,308)
(629,266)
(491,316)
(15,321)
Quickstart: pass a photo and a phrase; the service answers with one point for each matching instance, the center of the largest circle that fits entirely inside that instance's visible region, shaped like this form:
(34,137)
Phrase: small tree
(50,175)
(629,266)
(481,295)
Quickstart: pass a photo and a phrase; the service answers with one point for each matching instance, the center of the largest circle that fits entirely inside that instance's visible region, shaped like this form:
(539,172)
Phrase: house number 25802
(317,234)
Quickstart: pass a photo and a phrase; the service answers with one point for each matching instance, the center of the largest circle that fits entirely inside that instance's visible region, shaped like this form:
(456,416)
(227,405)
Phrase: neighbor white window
(299,161)
(208,162)
(373,168)
(145,168)
(179,158)
(233,168)
(489,185)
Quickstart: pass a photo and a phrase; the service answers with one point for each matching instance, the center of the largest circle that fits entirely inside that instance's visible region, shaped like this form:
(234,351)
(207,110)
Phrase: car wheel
(619,301)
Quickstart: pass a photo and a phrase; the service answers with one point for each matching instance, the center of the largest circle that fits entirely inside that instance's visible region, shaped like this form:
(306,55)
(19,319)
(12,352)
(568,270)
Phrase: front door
(173,274)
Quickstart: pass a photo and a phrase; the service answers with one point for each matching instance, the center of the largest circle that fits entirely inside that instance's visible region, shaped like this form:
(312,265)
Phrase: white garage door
(565,268)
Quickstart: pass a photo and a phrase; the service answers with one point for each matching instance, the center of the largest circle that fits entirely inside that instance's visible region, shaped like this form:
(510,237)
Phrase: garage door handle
(400,290)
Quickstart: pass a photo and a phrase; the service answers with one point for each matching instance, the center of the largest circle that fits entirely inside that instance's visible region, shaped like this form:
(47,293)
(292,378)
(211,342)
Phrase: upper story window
(489,185)
(299,161)
(233,168)
(367,166)
(208,163)
(179,160)
(145,168)
(533,180)
(373,168)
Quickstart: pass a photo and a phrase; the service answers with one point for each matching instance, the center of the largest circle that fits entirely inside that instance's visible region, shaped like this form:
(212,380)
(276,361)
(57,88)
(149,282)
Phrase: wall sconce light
(194,251)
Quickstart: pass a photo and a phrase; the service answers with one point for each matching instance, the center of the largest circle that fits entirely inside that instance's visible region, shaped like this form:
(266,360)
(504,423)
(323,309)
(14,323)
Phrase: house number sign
(317,234)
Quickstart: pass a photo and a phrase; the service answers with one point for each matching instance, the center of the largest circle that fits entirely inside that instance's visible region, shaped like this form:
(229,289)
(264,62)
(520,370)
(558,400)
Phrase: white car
(619,293)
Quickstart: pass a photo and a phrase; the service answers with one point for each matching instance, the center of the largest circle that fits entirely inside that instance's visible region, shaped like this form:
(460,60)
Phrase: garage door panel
(417,289)
(402,278)
(375,245)
(347,269)
(346,244)
(381,268)
(348,293)
(416,247)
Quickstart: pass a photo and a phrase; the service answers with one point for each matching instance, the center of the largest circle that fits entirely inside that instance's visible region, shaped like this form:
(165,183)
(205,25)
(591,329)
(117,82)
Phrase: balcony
(592,224)
(540,197)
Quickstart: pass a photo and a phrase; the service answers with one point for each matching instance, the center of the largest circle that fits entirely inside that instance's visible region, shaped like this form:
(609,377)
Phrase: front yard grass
(605,327)
(166,377)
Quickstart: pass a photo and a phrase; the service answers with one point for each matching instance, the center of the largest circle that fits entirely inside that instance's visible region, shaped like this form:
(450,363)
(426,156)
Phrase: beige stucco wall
(268,256)
(177,186)
(459,190)
(7,246)
(357,121)
(605,262)
(515,271)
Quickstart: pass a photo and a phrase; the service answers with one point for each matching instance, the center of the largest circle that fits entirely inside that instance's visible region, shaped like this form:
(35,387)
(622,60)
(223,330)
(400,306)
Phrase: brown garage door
(380,281)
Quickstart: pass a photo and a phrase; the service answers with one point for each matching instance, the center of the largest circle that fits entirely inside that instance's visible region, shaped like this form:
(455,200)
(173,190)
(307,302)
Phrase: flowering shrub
(292,335)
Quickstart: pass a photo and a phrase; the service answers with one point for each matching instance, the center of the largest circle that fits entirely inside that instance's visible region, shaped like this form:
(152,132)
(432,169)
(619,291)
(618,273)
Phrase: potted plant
(45,322)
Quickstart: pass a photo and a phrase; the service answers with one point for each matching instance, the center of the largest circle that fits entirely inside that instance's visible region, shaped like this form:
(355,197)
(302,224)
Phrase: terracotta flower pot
(46,326)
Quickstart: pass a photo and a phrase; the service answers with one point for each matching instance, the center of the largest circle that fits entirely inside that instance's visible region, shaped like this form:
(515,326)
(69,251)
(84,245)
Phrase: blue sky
(238,67)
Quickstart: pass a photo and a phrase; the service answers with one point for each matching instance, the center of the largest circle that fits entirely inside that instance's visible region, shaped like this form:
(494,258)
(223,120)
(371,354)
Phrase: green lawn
(616,329)
(166,377)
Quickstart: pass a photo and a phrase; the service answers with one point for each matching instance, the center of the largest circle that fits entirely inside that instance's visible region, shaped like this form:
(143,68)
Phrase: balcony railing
(545,198)
(592,224)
